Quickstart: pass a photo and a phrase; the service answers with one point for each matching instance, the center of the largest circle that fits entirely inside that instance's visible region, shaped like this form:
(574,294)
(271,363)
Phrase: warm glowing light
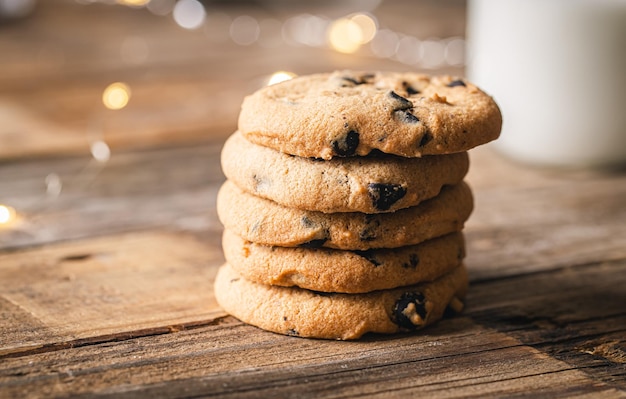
(100,151)
(368,26)
(133,3)
(189,14)
(345,35)
(280,76)
(116,95)
(7,215)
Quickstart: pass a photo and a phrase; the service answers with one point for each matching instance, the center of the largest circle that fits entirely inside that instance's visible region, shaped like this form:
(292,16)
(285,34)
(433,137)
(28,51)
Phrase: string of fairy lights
(357,32)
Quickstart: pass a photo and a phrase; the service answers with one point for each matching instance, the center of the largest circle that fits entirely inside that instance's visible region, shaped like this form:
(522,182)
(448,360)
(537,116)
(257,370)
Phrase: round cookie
(332,270)
(266,222)
(348,113)
(304,313)
(359,184)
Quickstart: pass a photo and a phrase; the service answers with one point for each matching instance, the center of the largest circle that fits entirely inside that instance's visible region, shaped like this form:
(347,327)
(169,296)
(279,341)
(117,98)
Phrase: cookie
(348,113)
(304,313)
(266,222)
(358,184)
(332,270)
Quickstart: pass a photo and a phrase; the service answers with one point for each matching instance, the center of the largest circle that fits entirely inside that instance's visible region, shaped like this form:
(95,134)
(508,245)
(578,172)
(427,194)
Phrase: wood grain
(106,289)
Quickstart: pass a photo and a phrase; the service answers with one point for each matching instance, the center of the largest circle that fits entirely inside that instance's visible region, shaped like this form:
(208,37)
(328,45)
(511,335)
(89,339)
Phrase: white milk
(557,68)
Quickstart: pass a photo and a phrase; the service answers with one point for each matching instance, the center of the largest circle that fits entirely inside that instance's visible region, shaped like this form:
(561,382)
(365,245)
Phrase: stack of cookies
(344,202)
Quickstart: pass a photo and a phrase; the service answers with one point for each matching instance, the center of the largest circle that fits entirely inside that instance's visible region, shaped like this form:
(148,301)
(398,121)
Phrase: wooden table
(106,289)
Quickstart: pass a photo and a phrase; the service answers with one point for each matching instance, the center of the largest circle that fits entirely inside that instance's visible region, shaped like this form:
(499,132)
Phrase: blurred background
(133,74)
(113,113)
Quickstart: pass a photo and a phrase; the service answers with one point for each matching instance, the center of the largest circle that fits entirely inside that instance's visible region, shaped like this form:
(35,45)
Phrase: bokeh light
(433,53)
(244,30)
(384,43)
(100,151)
(116,95)
(161,7)
(54,185)
(455,51)
(408,50)
(133,3)
(368,25)
(7,215)
(17,8)
(280,76)
(189,14)
(345,35)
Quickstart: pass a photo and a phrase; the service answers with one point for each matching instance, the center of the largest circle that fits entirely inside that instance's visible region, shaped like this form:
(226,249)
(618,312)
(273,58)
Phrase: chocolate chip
(383,195)
(369,232)
(414,260)
(426,138)
(350,80)
(367,235)
(308,223)
(316,243)
(400,103)
(409,89)
(346,146)
(455,83)
(292,332)
(369,255)
(410,311)
(405,116)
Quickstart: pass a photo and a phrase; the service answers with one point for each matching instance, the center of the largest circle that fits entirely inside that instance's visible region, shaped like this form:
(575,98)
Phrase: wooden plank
(574,314)
(528,220)
(453,359)
(173,189)
(109,287)
(515,335)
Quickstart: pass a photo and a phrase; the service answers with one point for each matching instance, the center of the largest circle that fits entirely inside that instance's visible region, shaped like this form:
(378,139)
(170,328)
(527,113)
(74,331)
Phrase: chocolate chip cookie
(359,184)
(348,113)
(266,222)
(305,313)
(332,270)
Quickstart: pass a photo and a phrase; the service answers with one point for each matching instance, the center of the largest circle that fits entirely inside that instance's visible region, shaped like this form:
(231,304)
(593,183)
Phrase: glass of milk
(557,68)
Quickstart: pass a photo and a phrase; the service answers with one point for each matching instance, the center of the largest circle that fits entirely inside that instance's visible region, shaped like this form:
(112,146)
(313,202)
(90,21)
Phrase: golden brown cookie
(348,113)
(304,313)
(266,222)
(371,184)
(332,270)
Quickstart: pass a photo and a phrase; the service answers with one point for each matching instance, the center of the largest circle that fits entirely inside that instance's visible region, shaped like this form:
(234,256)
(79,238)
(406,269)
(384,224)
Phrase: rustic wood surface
(106,289)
